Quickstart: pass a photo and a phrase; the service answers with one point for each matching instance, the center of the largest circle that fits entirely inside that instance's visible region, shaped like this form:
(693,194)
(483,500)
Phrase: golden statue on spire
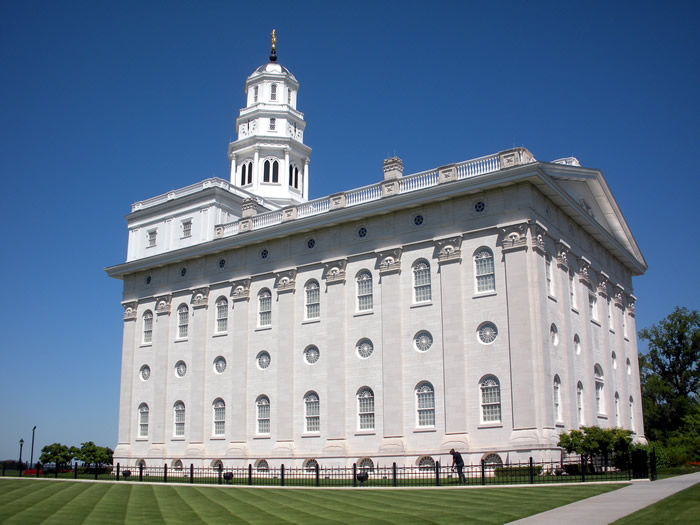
(274,39)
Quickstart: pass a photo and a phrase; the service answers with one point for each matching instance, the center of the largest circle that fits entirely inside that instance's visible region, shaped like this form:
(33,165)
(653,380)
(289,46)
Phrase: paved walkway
(614,505)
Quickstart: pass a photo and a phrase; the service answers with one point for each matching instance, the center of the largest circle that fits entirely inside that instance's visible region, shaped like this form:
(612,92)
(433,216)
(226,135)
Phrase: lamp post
(21,444)
(31,461)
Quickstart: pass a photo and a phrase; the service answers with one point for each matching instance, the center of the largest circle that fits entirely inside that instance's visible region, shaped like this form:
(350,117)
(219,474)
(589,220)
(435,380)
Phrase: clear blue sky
(106,103)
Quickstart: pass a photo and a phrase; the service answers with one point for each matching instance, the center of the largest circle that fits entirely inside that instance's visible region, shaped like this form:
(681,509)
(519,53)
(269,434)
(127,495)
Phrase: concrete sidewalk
(614,505)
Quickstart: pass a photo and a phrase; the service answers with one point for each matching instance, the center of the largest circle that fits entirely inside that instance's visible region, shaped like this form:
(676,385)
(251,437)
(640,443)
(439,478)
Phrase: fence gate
(640,464)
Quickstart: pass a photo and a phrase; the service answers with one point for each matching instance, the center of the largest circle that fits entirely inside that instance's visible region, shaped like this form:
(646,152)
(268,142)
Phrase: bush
(517,472)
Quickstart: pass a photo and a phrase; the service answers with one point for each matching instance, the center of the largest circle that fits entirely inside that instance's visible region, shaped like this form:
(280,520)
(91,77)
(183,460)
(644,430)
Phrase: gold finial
(274,39)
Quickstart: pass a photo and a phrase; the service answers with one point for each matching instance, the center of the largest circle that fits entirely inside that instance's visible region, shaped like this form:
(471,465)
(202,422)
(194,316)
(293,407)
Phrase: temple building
(484,305)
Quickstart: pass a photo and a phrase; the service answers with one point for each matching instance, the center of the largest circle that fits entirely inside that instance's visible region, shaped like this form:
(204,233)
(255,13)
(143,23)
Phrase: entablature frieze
(448,250)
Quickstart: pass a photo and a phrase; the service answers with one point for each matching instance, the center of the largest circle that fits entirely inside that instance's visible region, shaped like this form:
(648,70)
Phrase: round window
(263,360)
(365,348)
(311,355)
(310,244)
(183,272)
(219,364)
(148,280)
(423,341)
(362,232)
(479,206)
(487,333)
(145,372)
(418,220)
(222,263)
(264,253)
(180,369)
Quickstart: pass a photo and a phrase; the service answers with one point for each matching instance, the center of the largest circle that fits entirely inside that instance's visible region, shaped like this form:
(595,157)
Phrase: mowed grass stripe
(40,500)
(235,507)
(208,505)
(111,508)
(253,510)
(173,508)
(305,508)
(143,507)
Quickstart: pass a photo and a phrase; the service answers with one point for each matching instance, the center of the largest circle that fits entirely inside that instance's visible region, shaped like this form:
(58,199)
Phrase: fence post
(393,473)
(282,476)
(75,470)
(117,471)
(583,468)
(140,471)
(437,473)
(37,468)
(532,472)
(191,473)
(652,465)
(220,473)
(483,472)
(354,474)
(165,472)
(250,474)
(318,468)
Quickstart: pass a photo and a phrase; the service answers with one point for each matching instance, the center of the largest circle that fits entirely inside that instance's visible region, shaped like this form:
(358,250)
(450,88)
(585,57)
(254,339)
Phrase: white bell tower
(270,158)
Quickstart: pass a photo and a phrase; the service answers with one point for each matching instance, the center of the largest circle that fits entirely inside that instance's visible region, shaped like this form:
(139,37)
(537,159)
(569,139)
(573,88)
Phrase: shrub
(517,472)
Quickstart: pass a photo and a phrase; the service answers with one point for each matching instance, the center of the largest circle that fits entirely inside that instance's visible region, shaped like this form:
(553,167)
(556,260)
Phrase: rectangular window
(593,306)
(624,322)
(263,418)
(186,228)
(610,315)
(152,238)
(179,422)
(219,419)
(273,124)
(426,408)
(485,276)
(491,403)
(182,322)
(548,272)
(572,289)
(364,292)
(366,412)
(313,302)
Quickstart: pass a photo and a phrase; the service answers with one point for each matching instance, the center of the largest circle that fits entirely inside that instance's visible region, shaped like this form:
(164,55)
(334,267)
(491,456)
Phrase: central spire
(273,50)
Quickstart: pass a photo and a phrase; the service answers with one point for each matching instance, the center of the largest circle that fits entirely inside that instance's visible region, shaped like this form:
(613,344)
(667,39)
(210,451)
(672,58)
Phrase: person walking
(458,462)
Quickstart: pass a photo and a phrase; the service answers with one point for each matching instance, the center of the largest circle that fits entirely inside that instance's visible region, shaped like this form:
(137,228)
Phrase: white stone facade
(490,282)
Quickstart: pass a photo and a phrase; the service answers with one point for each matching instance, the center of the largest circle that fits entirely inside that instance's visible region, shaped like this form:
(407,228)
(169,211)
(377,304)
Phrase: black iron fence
(573,469)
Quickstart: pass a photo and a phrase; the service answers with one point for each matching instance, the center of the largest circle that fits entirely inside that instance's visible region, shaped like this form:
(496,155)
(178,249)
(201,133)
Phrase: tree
(58,454)
(91,454)
(670,372)
(595,441)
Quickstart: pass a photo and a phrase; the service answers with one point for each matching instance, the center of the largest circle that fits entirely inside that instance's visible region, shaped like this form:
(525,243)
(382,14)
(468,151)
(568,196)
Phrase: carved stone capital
(513,237)
(240,290)
(563,255)
(449,250)
(285,281)
(603,281)
(163,304)
(200,297)
(249,207)
(619,296)
(389,261)
(334,271)
(537,235)
(585,272)
(130,310)
(631,300)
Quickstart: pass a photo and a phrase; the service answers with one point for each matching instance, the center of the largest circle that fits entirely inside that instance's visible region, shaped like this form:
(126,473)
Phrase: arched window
(221,315)
(579,403)
(147,327)
(246,173)
(632,414)
(366,464)
(263,409)
(265,307)
(426,463)
(310,465)
(183,319)
(365,408)
(484,271)
(557,398)
(364,291)
(548,274)
(179,419)
(219,408)
(273,92)
(275,171)
(577,344)
(312,412)
(490,400)
(143,420)
(425,404)
(617,410)
(255,94)
(313,300)
(177,465)
(572,289)
(421,282)
(492,461)
(262,466)
(273,124)
(293,176)
(266,171)
(599,389)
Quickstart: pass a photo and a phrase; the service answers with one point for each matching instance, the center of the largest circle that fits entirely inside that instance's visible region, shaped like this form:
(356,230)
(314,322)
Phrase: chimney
(393,168)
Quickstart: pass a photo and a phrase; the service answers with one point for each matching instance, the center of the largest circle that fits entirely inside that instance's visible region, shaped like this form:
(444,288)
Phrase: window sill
(550,296)
(559,424)
(483,294)
(222,334)
(365,433)
(424,429)
(261,437)
(311,435)
(145,345)
(218,438)
(490,425)
(181,340)
(311,321)
(360,314)
(575,310)
(141,439)
(263,328)
(602,416)
(422,304)
(627,339)
(612,330)
(595,322)
(177,438)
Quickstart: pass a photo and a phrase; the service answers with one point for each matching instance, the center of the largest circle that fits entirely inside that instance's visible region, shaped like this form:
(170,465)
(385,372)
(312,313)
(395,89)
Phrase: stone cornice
(163,304)
(130,310)
(285,281)
(334,271)
(389,261)
(513,237)
(240,290)
(200,297)
(448,250)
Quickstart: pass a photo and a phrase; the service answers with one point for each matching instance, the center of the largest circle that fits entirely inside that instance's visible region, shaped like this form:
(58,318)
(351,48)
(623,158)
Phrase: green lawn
(27,501)
(682,507)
